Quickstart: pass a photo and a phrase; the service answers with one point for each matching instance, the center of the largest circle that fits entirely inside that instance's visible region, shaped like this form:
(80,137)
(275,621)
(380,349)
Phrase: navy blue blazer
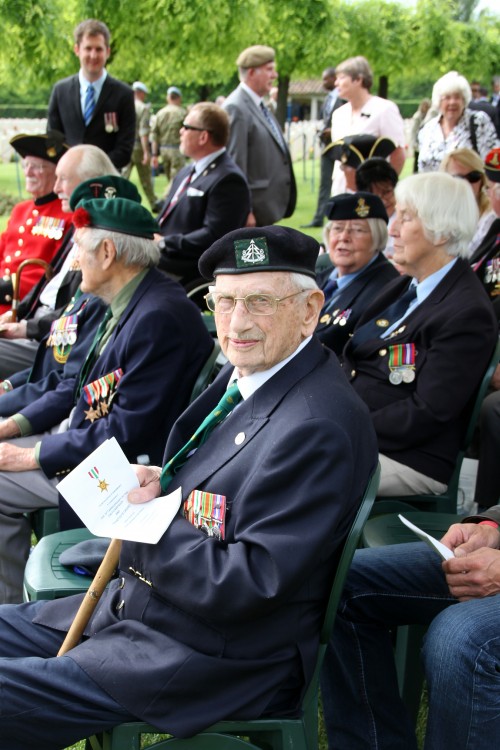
(240,618)
(336,324)
(46,371)
(215,203)
(115,105)
(420,424)
(160,343)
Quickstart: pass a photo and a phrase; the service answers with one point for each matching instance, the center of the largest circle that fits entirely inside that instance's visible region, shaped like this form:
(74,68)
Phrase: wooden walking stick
(89,603)
(16,280)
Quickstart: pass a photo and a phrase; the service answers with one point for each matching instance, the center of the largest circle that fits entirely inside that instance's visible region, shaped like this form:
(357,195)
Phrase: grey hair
(134,251)
(357,67)
(302,281)
(380,236)
(451,83)
(446,207)
(93,162)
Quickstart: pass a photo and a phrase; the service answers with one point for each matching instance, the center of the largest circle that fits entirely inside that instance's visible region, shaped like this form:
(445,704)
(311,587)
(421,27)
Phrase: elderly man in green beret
(257,143)
(230,599)
(136,378)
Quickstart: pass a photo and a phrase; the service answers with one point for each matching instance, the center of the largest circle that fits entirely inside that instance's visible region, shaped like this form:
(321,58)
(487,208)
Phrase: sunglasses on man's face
(471,177)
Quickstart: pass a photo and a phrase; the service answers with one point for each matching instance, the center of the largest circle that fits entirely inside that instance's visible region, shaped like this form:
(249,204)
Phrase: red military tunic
(35,230)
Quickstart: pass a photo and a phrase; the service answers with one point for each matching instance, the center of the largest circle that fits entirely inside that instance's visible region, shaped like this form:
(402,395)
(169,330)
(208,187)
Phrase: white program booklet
(434,543)
(97,491)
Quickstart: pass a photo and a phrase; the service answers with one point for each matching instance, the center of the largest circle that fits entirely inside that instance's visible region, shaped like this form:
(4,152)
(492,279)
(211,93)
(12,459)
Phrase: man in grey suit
(256,141)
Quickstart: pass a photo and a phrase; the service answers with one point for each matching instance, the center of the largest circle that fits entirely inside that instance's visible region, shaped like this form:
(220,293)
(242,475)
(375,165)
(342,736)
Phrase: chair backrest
(350,545)
(207,373)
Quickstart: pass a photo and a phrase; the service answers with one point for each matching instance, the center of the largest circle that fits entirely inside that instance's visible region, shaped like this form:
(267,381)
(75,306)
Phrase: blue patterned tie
(89,105)
(227,403)
(274,125)
(385,319)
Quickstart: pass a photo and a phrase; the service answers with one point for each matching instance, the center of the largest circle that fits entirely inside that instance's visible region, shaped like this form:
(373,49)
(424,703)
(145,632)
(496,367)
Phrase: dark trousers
(325,188)
(47,702)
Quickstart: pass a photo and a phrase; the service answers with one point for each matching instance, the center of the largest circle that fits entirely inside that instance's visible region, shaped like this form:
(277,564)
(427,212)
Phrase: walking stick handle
(89,603)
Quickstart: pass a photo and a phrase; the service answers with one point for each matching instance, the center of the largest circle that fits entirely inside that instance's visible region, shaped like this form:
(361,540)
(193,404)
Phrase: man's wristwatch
(6,385)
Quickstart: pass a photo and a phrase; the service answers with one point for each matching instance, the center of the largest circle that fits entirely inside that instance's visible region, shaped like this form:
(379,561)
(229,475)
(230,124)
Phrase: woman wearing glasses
(467,165)
(356,239)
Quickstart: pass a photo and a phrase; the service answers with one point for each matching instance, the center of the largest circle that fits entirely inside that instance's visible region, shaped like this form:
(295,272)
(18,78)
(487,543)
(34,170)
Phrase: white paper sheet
(434,543)
(97,491)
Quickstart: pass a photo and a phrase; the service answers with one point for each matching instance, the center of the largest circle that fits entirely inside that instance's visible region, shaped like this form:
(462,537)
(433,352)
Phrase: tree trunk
(284,82)
(383,87)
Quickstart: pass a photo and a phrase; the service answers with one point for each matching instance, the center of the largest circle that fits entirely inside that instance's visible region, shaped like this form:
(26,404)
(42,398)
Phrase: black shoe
(312,224)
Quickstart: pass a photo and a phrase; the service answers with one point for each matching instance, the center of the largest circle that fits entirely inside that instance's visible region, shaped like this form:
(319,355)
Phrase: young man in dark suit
(91,106)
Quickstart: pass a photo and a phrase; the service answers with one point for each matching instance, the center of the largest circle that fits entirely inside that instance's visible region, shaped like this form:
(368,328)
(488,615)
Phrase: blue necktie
(385,319)
(330,287)
(274,126)
(89,105)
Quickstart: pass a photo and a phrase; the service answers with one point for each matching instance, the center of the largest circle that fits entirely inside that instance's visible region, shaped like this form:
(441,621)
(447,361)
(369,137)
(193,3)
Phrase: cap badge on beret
(362,210)
(51,152)
(248,253)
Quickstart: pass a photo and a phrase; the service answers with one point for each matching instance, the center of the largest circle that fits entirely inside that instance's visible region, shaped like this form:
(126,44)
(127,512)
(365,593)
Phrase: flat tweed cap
(251,249)
(49,146)
(119,215)
(109,186)
(353,150)
(254,57)
(492,165)
(356,206)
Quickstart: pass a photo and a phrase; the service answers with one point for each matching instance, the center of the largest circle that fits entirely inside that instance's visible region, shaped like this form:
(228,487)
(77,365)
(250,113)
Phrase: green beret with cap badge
(252,249)
(108,187)
(119,215)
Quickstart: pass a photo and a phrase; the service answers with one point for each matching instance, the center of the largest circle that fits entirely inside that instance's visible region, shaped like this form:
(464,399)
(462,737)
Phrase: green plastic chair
(448,500)
(268,734)
(387,529)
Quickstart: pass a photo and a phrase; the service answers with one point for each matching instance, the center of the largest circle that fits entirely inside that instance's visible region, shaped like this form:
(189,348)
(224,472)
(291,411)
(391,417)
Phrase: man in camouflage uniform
(166,136)
(141,154)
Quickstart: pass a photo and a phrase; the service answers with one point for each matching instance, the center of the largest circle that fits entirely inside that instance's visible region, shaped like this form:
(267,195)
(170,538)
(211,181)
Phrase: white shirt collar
(248,384)
(254,97)
(205,161)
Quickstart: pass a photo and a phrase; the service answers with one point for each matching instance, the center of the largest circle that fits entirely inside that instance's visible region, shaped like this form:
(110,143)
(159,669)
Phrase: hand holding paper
(443,551)
(97,490)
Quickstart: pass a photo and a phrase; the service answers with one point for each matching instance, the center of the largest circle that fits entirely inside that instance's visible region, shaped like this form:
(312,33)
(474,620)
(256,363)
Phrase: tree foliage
(194,44)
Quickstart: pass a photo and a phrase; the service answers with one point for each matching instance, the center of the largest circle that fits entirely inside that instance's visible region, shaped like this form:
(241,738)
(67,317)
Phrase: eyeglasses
(256,304)
(39,168)
(471,177)
(356,231)
(193,127)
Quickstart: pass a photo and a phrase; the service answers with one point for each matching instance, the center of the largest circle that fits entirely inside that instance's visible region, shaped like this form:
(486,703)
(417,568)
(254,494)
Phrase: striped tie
(89,106)
(227,403)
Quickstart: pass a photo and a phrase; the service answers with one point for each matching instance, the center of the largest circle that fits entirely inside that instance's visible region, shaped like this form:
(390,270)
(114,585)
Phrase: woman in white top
(455,126)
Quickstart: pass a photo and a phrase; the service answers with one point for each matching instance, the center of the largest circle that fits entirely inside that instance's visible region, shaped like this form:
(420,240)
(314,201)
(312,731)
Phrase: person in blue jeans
(409,584)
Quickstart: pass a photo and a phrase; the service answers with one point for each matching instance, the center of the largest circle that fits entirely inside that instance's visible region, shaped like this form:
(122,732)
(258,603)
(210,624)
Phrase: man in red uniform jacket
(36,227)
